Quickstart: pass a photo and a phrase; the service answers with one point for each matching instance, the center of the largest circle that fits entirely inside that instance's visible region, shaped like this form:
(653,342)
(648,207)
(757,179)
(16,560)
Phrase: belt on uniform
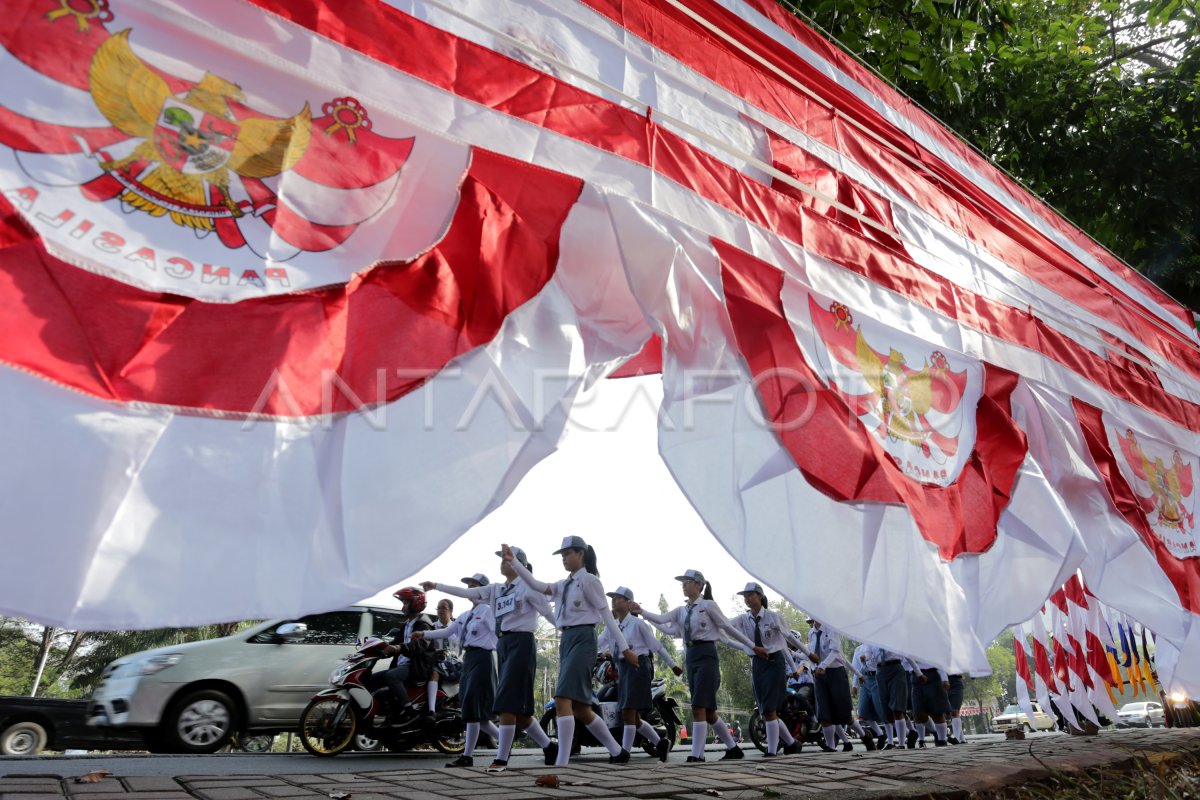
(891,661)
(502,634)
(699,641)
(471,647)
(583,625)
(956,675)
(870,674)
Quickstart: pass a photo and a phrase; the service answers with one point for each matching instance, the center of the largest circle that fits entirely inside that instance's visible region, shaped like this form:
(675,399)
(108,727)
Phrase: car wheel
(366,744)
(200,722)
(23,739)
(256,744)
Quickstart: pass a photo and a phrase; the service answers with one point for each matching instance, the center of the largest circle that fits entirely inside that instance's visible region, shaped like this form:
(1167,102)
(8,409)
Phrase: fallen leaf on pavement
(712,793)
(547,780)
(93,777)
(339,795)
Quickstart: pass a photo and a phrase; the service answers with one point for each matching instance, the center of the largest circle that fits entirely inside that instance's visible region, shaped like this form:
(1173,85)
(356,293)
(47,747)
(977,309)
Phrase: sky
(607,484)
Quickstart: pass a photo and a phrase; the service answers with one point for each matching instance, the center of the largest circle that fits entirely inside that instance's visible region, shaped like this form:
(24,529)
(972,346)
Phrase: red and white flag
(288,278)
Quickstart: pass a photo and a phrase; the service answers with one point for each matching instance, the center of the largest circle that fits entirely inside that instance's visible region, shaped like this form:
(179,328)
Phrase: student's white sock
(828,731)
(699,734)
(600,731)
(472,738)
(722,731)
(784,734)
(487,727)
(839,734)
(939,730)
(627,734)
(858,729)
(431,695)
(956,726)
(901,726)
(912,726)
(772,736)
(566,738)
(534,731)
(920,731)
(504,741)
(647,731)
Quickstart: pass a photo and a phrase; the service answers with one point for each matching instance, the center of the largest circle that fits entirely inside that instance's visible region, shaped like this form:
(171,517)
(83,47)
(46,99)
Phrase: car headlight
(158,663)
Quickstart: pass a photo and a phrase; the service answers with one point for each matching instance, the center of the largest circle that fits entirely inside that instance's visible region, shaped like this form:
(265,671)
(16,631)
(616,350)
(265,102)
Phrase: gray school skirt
(703,674)
(633,683)
(929,697)
(770,681)
(576,660)
(477,688)
(833,696)
(955,695)
(518,662)
(893,686)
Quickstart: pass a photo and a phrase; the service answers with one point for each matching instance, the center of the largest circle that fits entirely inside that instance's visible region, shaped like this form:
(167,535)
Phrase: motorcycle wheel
(758,731)
(318,733)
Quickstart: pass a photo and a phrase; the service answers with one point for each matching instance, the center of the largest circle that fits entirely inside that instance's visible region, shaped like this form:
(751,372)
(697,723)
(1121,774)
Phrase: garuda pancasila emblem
(191,143)
(1169,486)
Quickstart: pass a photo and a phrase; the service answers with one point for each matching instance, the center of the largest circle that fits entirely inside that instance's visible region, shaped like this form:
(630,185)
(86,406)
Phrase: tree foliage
(1091,103)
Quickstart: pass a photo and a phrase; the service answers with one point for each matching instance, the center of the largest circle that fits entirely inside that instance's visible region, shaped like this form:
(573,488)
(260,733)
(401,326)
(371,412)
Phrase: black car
(29,725)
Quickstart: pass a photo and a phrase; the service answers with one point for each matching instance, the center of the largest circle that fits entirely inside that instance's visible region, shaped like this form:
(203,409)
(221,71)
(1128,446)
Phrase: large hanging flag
(1024,682)
(304,288)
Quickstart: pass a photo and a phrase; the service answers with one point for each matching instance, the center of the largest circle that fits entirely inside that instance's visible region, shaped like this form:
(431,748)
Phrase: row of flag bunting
(1080,666)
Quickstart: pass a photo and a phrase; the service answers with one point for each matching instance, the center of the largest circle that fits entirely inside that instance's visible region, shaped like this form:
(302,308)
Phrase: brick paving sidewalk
(940,771)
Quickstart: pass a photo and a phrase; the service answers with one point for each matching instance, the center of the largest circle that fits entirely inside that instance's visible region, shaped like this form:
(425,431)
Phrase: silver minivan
(192,698)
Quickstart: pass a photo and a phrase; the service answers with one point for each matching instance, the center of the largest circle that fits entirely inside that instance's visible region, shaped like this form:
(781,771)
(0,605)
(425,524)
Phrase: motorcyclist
(412,661)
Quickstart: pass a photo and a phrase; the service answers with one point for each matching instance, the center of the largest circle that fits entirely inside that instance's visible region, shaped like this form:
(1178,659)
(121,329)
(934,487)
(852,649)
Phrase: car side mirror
(292,632)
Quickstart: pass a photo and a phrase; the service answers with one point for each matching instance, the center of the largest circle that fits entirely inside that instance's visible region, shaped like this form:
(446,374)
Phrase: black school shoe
(663,748)
(868,742)
(550,754)
(793,749)
(733,754)
(461,761)
(498,766)
(880,741)
(825,748)
(695,759)
(847,747)
(951,740)
(619,758)
(911,739)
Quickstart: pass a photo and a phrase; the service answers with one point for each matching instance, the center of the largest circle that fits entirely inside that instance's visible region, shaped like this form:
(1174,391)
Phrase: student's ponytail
(589,561)
(708,590)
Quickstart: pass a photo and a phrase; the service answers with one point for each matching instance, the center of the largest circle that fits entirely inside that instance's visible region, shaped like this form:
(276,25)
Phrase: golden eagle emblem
(1169,485)
(191,143)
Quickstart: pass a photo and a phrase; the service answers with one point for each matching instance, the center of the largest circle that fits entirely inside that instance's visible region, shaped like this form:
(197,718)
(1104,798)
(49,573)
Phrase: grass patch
(1161,776)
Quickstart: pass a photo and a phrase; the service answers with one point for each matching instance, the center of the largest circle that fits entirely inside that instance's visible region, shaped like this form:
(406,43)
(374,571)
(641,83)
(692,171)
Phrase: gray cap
(622,592)
(518,554)
(752,588)
(572,543)
(479,578)
(691,575)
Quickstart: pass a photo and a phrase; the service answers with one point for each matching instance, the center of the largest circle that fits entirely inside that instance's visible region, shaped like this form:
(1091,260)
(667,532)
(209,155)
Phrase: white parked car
(1141,715)
(192,698)
(1014,717)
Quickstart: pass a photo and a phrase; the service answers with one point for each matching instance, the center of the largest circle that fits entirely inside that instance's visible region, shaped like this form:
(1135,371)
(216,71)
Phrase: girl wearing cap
(768,629)
(476,632)
(515,608)
(579,604)
(700,623)
(633,683)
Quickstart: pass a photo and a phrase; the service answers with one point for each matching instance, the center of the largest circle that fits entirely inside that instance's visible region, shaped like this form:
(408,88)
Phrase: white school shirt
(476,628)
(775,633)
(826,645)
(640,638)
(707,622)
(515,603)
(579,599)
(450,644)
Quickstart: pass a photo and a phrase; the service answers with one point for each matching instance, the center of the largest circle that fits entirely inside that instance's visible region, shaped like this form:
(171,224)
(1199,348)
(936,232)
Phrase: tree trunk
(43,654)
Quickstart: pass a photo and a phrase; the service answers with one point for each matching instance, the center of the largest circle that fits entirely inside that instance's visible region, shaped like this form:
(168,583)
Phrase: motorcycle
(349,711)
(663,715)
(798,714)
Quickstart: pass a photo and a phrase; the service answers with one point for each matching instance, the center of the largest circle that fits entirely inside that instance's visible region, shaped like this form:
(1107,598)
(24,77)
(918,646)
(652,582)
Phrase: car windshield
(1137,707)
(1013,710)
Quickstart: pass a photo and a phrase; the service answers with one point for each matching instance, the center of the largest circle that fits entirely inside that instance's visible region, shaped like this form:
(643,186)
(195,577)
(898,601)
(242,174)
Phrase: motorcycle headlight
(158,663)
(338,673)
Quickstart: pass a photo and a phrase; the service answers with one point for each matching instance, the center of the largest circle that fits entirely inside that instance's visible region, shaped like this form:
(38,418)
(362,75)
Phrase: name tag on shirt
(505,604)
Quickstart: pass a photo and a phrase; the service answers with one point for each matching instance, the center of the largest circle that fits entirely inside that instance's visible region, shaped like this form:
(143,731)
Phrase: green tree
(1091,103)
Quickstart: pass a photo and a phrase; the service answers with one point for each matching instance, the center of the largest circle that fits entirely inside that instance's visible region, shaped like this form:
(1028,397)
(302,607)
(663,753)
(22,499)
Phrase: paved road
(165,766)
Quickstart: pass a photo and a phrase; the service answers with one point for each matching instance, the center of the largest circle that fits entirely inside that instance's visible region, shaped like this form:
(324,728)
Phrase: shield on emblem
(191,140)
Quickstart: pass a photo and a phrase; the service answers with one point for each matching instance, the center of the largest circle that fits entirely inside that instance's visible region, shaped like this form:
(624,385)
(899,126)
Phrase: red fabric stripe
(121,343)
(310,236)
(1022,662)
(1184,573)
(481,75)
(30,135)
(832,448)
(903,104)
(941,190)
(1041,662)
